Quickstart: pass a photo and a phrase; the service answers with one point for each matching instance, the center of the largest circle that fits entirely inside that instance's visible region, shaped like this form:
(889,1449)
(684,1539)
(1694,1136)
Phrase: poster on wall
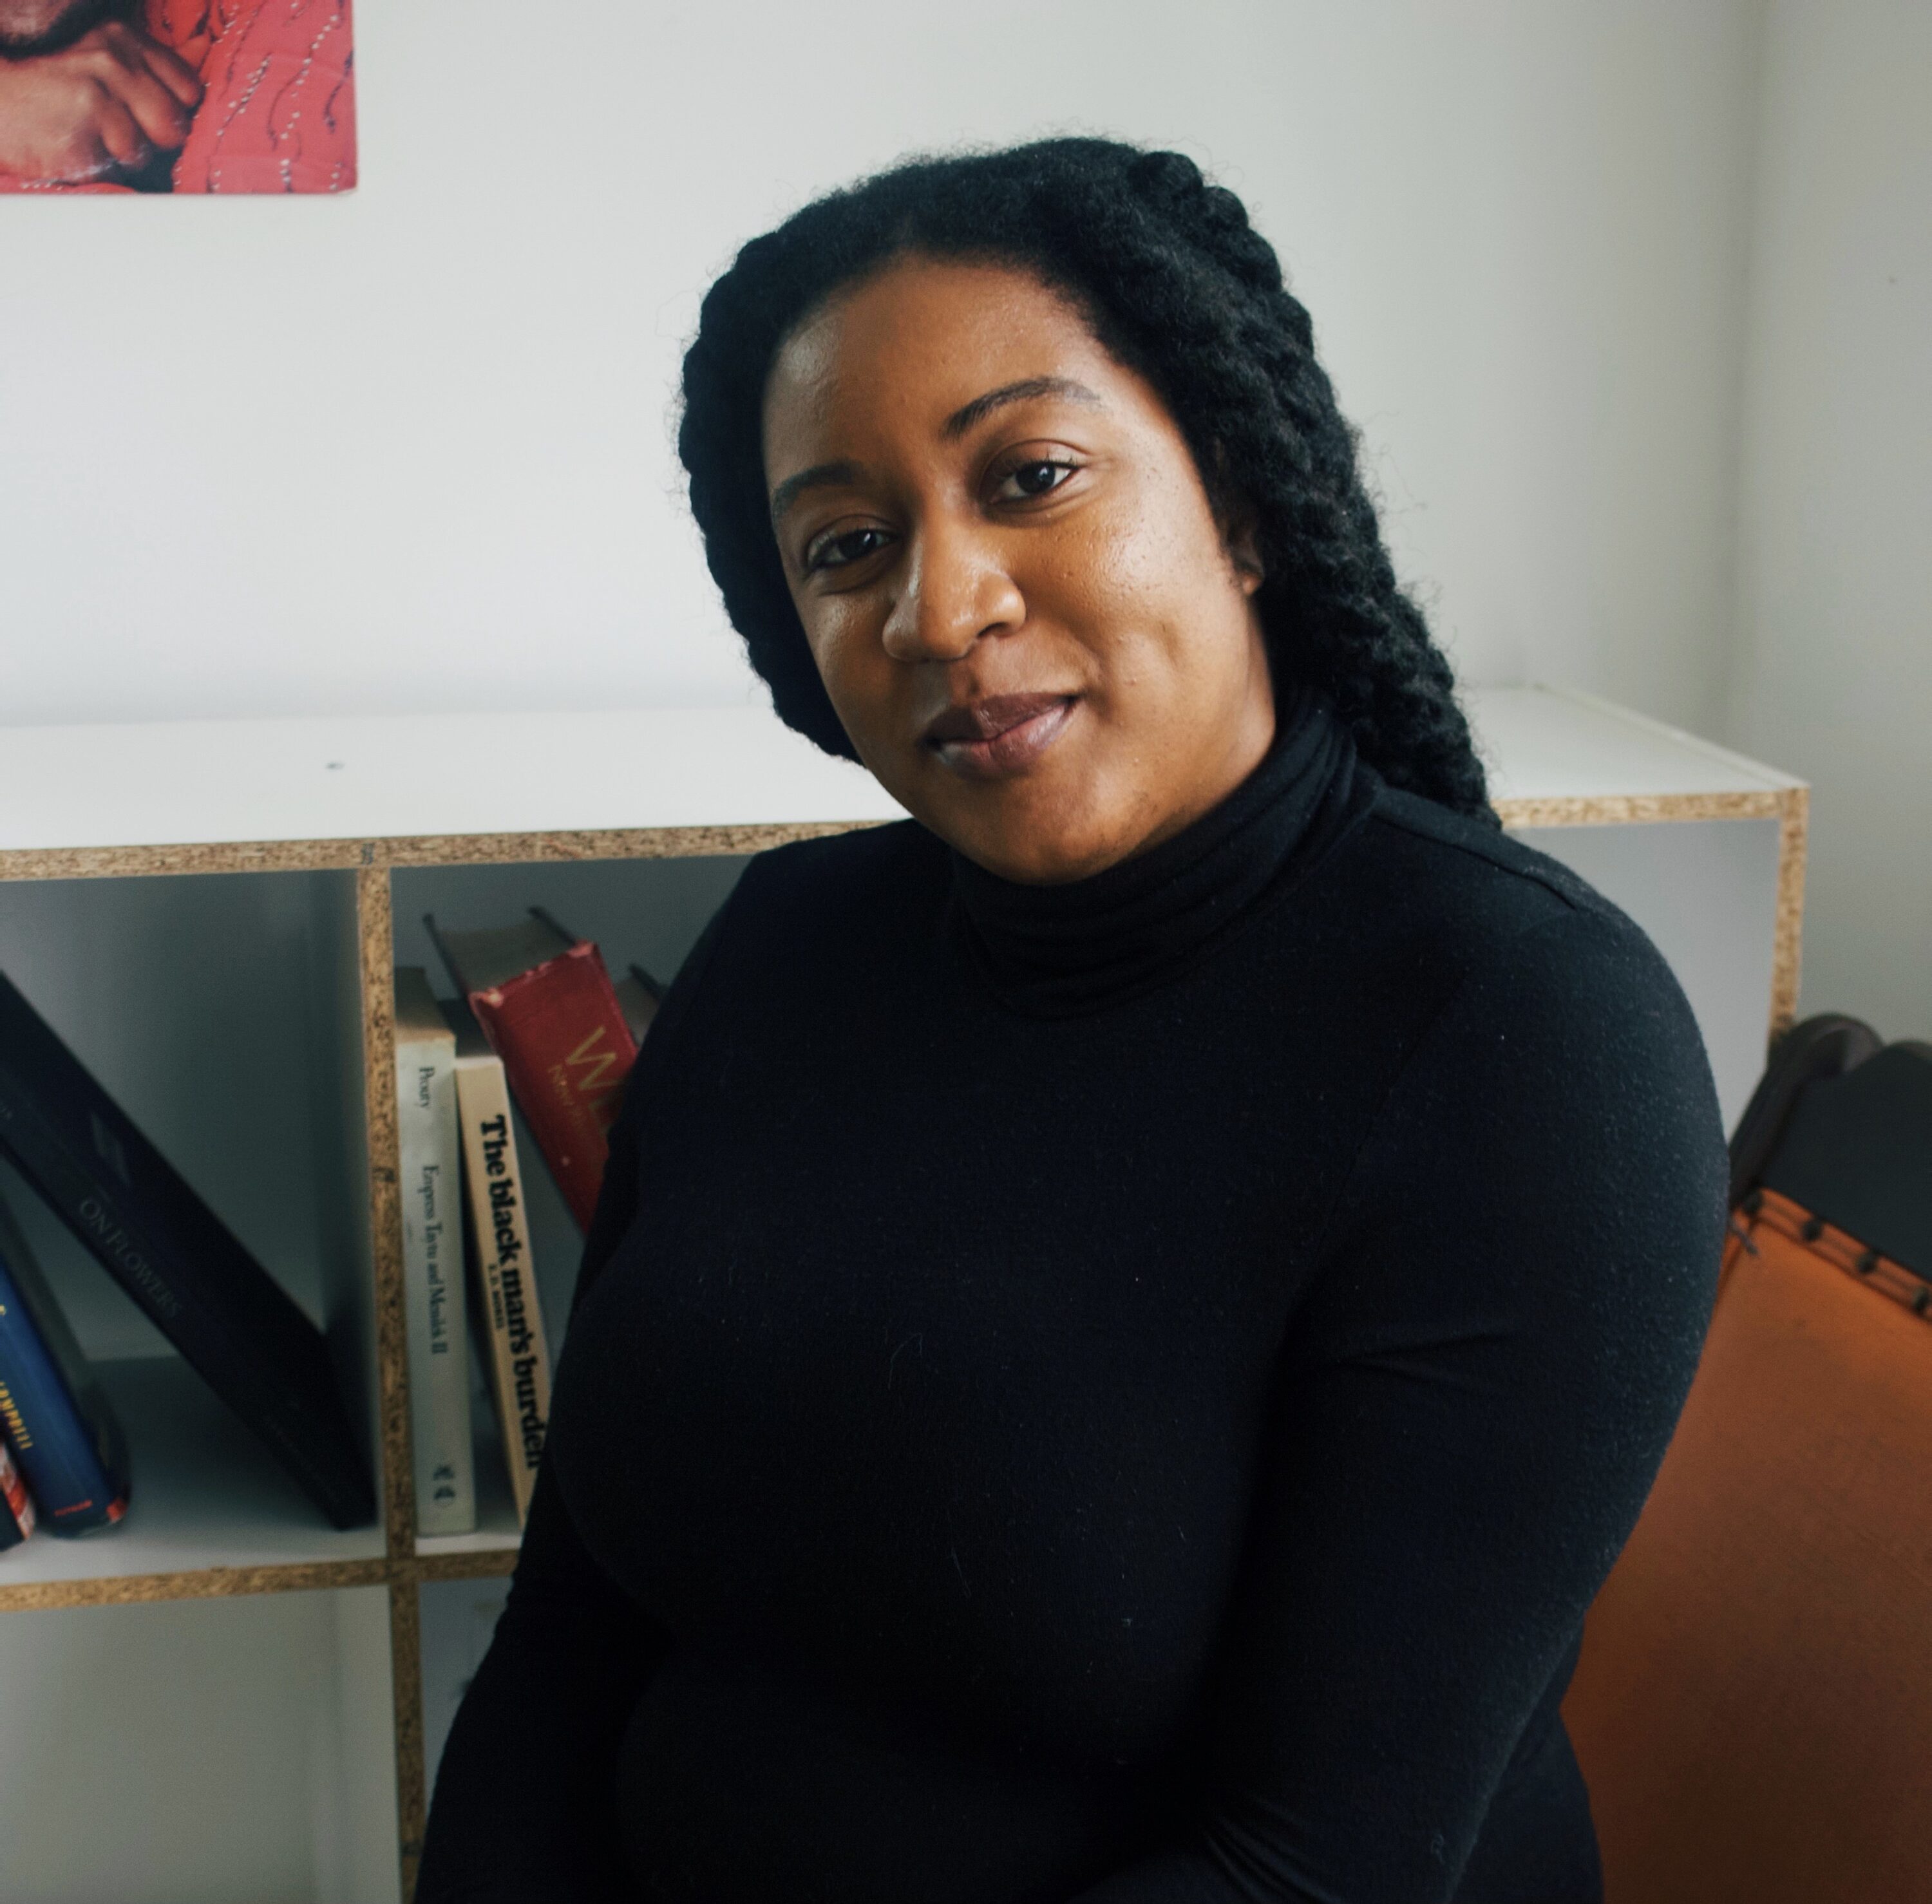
(125,95)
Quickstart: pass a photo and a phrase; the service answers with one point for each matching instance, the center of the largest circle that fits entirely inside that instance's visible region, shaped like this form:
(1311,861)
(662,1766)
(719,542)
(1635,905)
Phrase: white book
(427,1145)
(510,1318)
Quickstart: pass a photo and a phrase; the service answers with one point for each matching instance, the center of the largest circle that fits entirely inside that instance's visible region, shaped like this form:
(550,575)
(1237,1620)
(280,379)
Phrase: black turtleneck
(1055,951)
(1118,1392)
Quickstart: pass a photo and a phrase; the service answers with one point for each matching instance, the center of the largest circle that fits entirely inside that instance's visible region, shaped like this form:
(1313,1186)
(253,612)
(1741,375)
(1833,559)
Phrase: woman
(1131,1313)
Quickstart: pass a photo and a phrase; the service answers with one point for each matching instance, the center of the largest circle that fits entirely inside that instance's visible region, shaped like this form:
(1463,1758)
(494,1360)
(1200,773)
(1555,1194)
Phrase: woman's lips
(1000,735)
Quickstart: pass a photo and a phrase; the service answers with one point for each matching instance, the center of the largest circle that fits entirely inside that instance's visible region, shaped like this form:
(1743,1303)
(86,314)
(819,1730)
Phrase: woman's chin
(1045,823)
(1038,850)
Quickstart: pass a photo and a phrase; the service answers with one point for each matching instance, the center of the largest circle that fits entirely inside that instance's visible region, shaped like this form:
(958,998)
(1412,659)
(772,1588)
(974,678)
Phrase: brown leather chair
(1753,1707)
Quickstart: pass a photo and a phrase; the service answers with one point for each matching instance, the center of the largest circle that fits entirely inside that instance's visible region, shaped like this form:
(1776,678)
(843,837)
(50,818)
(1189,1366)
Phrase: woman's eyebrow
(824,474)
(967,414)
(819,476)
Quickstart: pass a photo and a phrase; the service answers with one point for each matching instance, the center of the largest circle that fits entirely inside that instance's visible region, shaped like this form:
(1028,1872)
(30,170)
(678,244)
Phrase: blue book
(63,1438)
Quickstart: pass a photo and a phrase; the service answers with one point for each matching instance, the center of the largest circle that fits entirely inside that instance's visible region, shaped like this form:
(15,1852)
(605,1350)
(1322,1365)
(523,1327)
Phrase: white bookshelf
(210,911)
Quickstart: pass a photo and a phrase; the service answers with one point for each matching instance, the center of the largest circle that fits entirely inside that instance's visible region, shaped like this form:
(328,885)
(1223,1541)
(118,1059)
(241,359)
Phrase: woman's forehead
(912,346)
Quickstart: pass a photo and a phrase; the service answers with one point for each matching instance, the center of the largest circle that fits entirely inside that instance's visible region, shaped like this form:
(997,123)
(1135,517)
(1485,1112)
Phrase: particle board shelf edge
(204,1583)
(1637,809)
(383,853)
(480,1563)
(687,842)
(235,1582)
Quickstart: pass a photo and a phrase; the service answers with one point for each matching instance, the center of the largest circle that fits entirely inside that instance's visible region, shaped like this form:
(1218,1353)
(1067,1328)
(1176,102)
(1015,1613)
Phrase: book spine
(324,1464)
(52,1439)
(518,1356)
(445,1464)
(16,1505)
(561,1034)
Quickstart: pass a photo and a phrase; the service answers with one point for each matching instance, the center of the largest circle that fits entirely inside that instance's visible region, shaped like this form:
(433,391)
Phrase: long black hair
(1177,286)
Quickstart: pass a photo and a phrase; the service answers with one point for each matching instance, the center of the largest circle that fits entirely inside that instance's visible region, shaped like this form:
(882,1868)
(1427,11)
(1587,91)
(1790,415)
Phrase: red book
(550,1012)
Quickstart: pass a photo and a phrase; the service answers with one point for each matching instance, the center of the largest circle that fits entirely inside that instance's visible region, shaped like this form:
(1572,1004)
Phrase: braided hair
(1177,286)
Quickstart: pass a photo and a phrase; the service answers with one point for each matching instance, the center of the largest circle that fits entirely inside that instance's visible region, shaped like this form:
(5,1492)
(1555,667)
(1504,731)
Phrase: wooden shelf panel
(485,1564)
(429,777)
(1552,744)
(208,1500)
(205,1583)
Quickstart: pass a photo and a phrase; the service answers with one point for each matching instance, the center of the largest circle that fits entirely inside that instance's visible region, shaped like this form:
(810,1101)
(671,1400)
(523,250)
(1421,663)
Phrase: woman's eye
(1026,480)
(838,551)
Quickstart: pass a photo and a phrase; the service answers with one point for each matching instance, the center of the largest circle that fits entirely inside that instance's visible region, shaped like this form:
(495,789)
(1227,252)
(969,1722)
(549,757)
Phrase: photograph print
(119,96)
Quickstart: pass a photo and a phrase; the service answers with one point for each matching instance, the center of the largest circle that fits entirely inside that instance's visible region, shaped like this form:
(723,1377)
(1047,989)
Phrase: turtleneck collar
(1058,951)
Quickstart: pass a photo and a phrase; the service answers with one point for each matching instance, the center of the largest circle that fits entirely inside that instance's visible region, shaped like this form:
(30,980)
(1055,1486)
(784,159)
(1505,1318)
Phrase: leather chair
(1753,1706)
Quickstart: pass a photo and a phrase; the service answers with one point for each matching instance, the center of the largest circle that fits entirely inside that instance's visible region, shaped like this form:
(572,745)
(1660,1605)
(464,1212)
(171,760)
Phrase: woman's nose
(954,588)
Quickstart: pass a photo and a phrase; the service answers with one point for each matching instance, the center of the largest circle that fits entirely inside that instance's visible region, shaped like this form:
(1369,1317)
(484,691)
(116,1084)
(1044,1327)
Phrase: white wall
(410,449)
(1834,658)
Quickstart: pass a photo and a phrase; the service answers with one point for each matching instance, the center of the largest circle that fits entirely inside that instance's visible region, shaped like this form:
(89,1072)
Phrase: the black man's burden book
(233,1323)
(509,1318)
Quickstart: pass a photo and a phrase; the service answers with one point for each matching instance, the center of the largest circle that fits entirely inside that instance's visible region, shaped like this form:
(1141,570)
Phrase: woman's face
(1039,636)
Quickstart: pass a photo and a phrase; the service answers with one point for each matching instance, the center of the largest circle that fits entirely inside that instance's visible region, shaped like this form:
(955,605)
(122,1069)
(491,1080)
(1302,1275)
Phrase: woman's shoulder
(1445,895)
(1553,1083)
(1467,868)
(1477,956)
(1545,999)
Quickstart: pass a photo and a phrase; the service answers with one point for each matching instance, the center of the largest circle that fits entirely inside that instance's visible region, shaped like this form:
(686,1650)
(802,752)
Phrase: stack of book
(538,1024)
(64,1461)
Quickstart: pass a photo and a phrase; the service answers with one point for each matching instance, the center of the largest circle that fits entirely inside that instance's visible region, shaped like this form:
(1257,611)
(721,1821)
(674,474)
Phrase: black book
(233,1323)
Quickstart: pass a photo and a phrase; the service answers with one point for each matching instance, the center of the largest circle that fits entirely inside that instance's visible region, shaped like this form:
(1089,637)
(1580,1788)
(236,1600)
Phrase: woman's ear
(1239,533)
(1240,523)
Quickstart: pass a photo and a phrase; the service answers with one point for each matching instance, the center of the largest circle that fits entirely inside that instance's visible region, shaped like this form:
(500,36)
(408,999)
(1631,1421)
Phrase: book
(639,996)
(503,1286)
(16,1505)
(233,1323)
(547,1005)
(444,1463)
(17,1518)
(66,1441)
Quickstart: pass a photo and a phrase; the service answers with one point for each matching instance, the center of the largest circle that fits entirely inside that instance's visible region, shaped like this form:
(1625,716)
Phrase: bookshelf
(259,876)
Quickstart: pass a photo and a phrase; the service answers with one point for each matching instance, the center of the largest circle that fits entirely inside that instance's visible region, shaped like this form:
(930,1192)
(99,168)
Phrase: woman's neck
(1079,945)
